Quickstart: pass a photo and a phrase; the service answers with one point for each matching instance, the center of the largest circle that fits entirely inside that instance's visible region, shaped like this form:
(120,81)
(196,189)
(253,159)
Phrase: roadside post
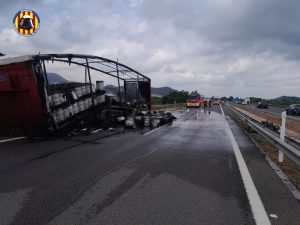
(282,134)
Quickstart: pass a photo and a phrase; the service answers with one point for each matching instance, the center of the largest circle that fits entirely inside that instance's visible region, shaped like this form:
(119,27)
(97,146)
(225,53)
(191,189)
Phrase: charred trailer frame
(25,93)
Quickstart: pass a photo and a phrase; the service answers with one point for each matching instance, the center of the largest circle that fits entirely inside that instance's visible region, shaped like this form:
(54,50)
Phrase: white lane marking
(257,207)
(274,216)
(11,139)
(222,110)
(151,131)
(96,131)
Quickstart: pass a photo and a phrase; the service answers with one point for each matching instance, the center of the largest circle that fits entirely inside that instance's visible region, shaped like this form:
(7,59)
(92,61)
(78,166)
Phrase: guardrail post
(282,134)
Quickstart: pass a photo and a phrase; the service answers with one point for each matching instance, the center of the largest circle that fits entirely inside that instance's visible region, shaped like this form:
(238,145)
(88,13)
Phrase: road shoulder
(277,199)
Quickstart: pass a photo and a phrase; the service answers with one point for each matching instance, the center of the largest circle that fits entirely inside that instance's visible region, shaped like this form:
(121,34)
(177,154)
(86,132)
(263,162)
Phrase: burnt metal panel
(21,109)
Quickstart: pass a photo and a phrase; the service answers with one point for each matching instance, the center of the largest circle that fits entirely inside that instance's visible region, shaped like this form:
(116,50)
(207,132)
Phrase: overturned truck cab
(31,106)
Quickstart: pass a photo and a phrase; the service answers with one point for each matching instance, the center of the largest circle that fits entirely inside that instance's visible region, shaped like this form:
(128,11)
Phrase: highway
(276,110)
(188,172)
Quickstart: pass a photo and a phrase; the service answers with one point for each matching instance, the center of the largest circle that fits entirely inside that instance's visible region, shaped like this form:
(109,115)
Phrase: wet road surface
(184,173)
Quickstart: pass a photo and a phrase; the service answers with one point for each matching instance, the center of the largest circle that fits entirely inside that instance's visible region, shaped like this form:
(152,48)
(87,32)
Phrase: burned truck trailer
(32,106)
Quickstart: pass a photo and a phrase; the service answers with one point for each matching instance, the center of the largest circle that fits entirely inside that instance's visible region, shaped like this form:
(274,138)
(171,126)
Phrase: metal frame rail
(290,147)
(100,64)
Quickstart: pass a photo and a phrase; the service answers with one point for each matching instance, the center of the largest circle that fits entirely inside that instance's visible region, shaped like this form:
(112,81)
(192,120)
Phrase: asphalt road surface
(183,173)
(276,110)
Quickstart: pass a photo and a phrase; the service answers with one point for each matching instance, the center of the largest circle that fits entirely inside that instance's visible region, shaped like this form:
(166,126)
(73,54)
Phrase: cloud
(221,47)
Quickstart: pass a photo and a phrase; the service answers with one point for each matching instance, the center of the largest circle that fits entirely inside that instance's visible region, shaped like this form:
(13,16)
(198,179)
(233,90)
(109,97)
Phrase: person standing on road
(209,103)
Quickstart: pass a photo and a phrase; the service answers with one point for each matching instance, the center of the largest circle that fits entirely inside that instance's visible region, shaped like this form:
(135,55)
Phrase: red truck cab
(194,100)
(22,109)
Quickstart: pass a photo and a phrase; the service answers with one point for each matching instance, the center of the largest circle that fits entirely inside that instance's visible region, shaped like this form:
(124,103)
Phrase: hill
(285,100)
(161,91)
(112,89)
(158,92)
(55,78)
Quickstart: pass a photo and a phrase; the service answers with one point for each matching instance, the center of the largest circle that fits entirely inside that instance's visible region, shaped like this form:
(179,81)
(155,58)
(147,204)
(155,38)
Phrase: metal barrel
(75,108)
(55,99)
(66,113)
(100,99)
(83,90)
(81,105)
(78,92)
(60,115)
(99,85)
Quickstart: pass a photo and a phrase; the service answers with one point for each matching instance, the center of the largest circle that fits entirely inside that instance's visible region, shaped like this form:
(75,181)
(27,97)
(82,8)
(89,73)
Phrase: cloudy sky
(218,47)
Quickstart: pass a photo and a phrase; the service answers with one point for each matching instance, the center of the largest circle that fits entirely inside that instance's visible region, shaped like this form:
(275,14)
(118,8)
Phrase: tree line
(174,97)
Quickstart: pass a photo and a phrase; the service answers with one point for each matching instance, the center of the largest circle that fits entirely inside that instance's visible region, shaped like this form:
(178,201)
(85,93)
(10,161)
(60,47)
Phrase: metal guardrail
(290,146)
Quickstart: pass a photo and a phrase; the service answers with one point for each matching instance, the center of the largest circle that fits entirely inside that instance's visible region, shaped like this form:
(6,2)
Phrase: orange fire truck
(194,100)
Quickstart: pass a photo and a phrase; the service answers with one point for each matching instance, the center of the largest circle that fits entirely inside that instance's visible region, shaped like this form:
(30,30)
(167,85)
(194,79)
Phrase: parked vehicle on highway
(215,100)
(194,100)
(246,101)
(293,109)
(262,105)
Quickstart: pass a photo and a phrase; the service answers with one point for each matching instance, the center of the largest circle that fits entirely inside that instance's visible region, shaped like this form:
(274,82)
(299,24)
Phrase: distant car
(246,101)
(216,102)
(293,109)
(262,105)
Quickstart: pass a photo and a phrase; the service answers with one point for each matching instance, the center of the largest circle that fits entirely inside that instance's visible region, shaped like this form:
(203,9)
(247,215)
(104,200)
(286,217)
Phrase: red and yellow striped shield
(26,22)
